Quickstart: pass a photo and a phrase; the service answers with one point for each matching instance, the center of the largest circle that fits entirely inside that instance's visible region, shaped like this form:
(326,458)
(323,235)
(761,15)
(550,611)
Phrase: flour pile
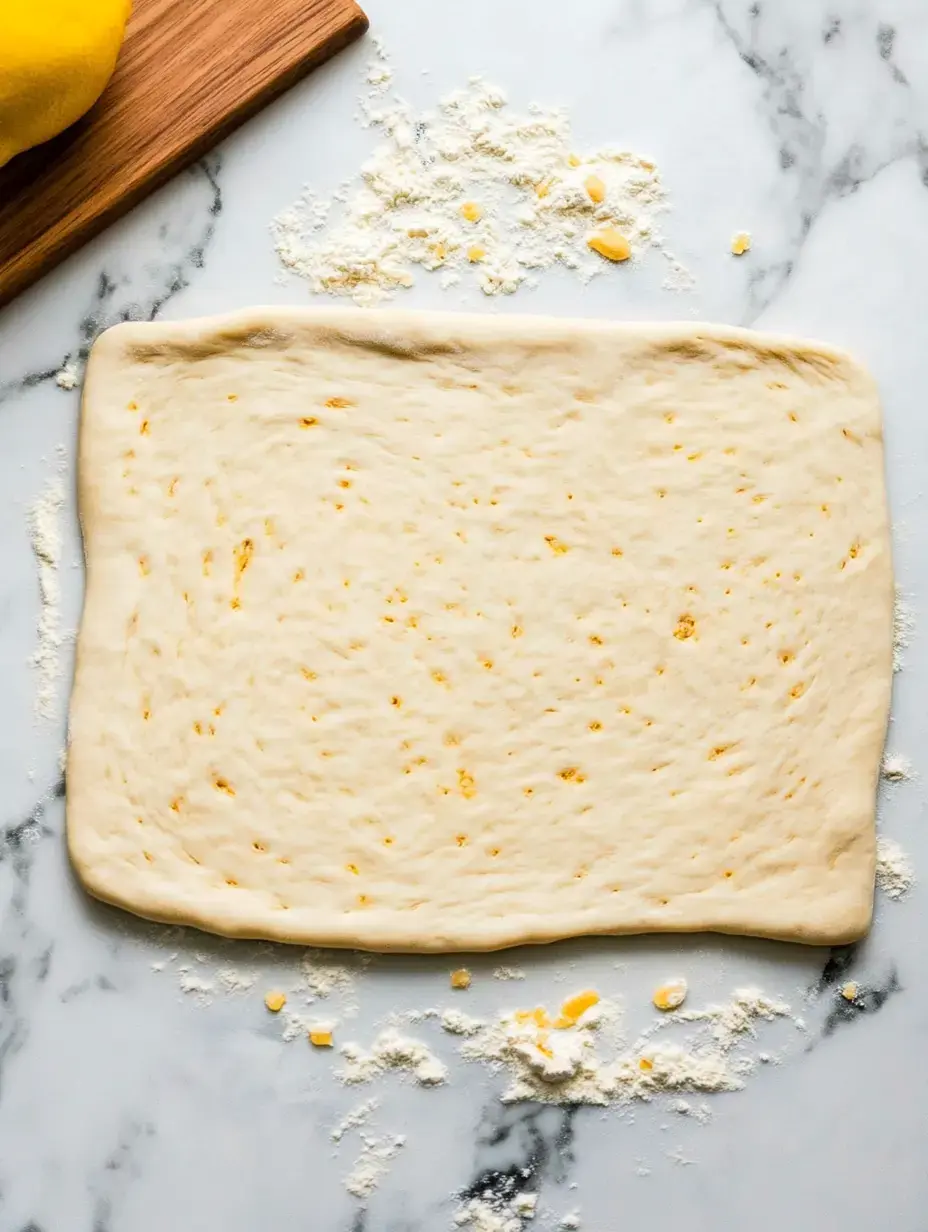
(894,875)
(896,768)
(552,1060)
(392,1051)
(68,377)
(472,188)
(496,1215)
(577,1054)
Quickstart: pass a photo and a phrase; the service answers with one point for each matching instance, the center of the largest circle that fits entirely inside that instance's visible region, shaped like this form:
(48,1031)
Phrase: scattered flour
(69,375)
(322,977)
(896,768)
(495,1215)
(728,1023)
(524,1204)
(455,1022)
(903,628)
(403,1018)
(585,1061)
(297,1024)
(371,1166)
(45,530)
(379,73)
(191,983)
(508,973)
(894,874)
(471,188)
(677,1156)
(392,1051)
(355,1119)
(318,978)
(701,1112)
(573,1065)
(232,980)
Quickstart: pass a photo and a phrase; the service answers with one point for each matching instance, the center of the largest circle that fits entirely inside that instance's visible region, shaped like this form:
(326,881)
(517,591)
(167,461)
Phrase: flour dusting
(45,531)
(896,769)
(192,984)
(474,190)
(491,1215)
(372,1164)
(233,980)
(586,1062)
(68,377)
(322,977)
(456,1022)
(894,873)
(392,1051)
(508,973)
(903,628)
(739,1017)
(319,982)
(355,1119)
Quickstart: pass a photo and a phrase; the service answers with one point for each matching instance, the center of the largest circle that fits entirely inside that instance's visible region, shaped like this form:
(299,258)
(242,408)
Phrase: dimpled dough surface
(437,632)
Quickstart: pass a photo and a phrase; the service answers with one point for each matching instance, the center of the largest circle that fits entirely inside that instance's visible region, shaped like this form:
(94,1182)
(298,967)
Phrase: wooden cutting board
(189,72)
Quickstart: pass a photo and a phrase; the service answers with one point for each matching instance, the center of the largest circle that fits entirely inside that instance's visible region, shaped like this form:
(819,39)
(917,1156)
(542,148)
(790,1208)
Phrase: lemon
(56,56)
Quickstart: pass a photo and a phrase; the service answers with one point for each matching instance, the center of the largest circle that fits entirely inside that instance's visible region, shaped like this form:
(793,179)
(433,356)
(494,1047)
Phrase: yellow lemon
(56,56)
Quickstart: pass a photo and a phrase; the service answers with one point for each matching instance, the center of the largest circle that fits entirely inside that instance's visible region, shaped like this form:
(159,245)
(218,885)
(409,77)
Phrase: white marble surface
(128,1106)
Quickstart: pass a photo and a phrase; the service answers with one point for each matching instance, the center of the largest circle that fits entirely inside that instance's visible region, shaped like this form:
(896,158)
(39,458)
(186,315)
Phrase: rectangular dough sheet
(434,632)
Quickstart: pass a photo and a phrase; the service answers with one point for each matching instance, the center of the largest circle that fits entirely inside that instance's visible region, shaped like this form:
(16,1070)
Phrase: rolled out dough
(429,632)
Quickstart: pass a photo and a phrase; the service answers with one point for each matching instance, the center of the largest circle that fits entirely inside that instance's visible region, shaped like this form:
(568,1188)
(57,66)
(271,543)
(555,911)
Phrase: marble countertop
(130,1105)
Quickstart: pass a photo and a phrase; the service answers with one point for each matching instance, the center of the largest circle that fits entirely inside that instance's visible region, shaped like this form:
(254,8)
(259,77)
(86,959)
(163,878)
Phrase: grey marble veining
(125,293)
(128,1106)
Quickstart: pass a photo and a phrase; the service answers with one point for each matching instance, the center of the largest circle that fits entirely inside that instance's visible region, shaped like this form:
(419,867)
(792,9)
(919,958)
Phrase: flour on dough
(429,632)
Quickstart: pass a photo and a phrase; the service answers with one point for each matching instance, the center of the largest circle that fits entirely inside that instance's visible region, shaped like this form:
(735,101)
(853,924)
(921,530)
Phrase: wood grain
(190,72)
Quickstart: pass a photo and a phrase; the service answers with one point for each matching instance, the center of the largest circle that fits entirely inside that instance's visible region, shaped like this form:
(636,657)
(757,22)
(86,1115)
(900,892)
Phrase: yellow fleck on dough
(545,815)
